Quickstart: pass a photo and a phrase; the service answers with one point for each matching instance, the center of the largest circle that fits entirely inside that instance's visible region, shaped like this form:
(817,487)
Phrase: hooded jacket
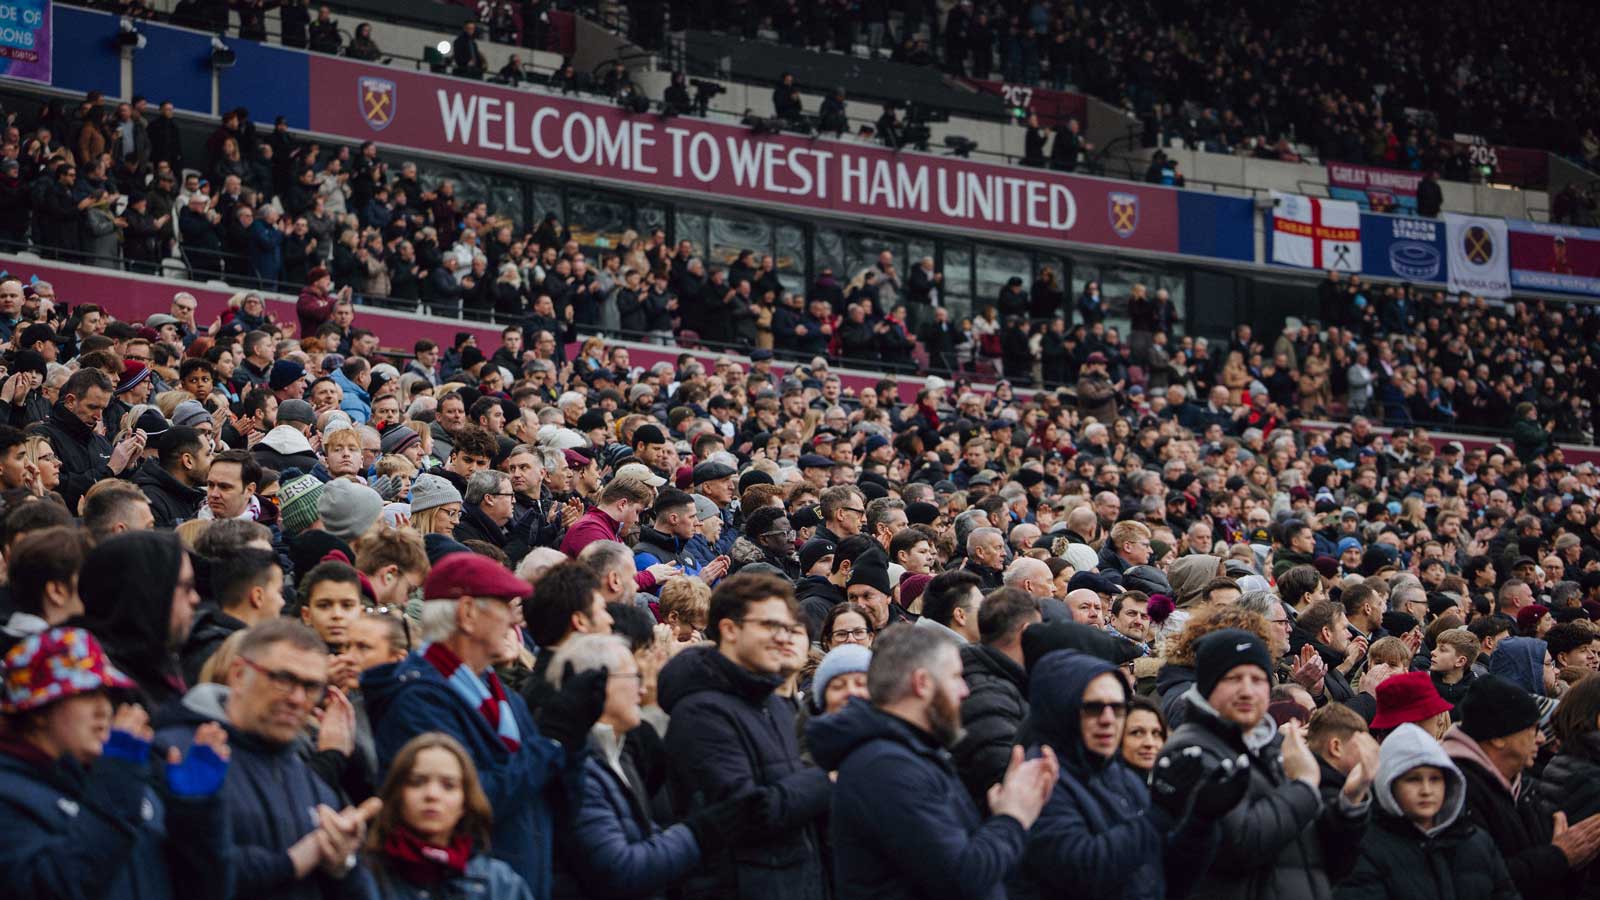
(284,447)
(171,501)
(85,456)
(1452,859)
(410,697)
(995,705)
(127,584)
(1523,664)
(1172,686)
(731,734)
(1270,846)
(1190,574)
(105,832)
(212,626)
(902,824)
(1098,835)
(355,401)
(1513,818)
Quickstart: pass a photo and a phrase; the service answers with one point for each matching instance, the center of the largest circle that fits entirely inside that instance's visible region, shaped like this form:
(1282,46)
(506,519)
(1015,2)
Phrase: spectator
(722,745)
(902,824)
(468,609)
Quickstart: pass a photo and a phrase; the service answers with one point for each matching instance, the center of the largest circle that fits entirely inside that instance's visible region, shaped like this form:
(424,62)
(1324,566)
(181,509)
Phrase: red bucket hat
(1408,697)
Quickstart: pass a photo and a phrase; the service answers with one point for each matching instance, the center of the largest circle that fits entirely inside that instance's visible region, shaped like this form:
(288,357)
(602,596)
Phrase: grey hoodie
(1406,748)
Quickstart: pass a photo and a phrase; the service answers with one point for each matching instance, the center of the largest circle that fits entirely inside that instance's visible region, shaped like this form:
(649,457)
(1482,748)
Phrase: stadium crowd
(268,210)
(1358,82)
(284,617)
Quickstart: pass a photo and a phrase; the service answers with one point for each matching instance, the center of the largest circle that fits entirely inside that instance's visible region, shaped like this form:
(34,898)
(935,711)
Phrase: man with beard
(903,825)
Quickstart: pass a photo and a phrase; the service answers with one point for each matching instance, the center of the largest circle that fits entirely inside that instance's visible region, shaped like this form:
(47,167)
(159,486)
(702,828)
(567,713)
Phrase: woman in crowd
(432,837)
(1143,735)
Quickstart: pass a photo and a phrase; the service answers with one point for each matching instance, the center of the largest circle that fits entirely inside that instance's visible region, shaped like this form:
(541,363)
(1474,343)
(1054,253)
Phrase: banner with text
(1312,233)
(597,140)
(1052,107)
(1403,247)
(1555,257)
(1375,189)
(25,40)
(1478,255)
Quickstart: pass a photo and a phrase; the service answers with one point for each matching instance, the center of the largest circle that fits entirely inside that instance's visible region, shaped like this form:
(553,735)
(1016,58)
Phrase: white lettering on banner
(902,185)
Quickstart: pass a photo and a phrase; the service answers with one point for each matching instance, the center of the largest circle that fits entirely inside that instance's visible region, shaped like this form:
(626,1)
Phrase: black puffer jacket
(1571,783)
(817,596)
(995,706)
(85,456)
(171,501)
(731,735)
(1272,847)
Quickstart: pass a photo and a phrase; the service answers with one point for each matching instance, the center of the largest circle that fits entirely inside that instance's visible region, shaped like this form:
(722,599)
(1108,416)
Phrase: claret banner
(597,140)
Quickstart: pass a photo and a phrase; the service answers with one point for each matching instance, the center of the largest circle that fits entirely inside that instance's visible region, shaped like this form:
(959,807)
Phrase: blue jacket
(266,251)
(609,847)
(410,697)
(355,400)
(486,878)
(1098,835)
(106,833)
(903,825)
(732,735)
(270,798)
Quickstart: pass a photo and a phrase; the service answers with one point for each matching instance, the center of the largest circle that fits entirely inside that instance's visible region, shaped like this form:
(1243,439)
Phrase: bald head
(1029,574)
(1082,520)
(1086,607)
(1023,536)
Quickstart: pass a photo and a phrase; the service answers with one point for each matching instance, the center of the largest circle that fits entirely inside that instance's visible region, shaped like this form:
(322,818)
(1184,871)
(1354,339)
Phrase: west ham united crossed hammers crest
(379,99)
(1123,211)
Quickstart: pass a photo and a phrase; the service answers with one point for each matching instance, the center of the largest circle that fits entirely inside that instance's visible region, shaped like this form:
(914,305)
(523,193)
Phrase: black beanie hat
(921,513)
(873,572)
(1220,652)
(1495,707)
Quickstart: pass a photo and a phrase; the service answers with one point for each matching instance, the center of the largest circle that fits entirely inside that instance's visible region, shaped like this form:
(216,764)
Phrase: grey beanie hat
(430,491)
(348,509)
(190,413)
(841,660)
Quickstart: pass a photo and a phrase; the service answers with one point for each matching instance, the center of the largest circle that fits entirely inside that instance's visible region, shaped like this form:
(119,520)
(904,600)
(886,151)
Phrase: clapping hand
(1027,784)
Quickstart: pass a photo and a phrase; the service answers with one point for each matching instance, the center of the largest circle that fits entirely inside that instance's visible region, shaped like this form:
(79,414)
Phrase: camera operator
(889,127)
(786,100)
(676,101)
(832,115)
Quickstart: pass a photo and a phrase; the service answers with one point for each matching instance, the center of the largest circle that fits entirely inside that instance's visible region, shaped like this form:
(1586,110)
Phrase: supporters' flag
(1316,234)
(1479,255)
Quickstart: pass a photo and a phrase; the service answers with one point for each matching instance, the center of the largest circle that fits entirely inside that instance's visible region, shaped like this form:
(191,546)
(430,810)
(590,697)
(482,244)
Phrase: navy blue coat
(106,833)
(903,825)
(609,847)
(270,799)
(410,697)
(1098,835)
(730,735)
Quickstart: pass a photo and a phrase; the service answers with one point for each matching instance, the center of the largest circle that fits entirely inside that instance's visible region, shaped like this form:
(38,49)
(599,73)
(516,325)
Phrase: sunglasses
(1094,709)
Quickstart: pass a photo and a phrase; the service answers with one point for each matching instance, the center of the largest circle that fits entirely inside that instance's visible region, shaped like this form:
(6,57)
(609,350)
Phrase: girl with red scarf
(432,837)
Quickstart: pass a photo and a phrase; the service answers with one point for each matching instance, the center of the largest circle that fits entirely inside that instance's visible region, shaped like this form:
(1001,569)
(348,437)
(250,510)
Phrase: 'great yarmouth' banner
(25,40)
(1555,257)
(1380,190)
(589,139)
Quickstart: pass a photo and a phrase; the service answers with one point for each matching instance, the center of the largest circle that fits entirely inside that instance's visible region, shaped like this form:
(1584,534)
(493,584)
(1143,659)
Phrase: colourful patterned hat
(54,665)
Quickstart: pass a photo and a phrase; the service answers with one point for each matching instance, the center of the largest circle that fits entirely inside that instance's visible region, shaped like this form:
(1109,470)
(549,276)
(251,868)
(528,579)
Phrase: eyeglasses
(1094,709)
(453,515)
(397,612)
(852,509)
(285,682)
(776,626)
(786,533)
(853,635)
(501,494)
